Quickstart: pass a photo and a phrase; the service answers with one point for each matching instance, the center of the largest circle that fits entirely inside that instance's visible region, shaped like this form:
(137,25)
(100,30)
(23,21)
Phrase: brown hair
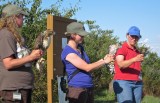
(10,24)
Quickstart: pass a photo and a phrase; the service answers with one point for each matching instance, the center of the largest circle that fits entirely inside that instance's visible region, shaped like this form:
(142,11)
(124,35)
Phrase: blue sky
(119,15)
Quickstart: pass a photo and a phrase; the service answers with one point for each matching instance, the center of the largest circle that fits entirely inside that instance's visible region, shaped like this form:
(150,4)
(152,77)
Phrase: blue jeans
(128,91)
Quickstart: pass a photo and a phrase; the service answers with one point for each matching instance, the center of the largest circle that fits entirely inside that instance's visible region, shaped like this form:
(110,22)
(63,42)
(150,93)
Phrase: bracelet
(105,63)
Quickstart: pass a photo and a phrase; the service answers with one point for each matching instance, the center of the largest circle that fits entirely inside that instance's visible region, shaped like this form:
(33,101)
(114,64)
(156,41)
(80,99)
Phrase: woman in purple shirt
(74,58)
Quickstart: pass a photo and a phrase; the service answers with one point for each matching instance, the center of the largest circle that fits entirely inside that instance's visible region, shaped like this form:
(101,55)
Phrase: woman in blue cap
(127,78)
(16,75)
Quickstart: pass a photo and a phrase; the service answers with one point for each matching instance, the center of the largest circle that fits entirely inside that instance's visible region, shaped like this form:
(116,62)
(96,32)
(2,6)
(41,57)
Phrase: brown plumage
(42,42)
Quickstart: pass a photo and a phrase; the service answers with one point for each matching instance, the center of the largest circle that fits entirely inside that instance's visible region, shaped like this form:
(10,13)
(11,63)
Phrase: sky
(120,15)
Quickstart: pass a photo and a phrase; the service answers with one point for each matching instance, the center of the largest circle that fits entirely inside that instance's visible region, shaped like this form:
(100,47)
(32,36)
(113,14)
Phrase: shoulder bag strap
(77,70)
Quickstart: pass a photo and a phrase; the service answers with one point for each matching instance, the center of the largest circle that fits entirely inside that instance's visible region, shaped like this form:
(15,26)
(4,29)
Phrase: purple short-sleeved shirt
(82,79)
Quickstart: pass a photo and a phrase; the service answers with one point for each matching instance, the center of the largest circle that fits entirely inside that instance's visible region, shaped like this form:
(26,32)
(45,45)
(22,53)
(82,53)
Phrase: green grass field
(151,99)
(104,96)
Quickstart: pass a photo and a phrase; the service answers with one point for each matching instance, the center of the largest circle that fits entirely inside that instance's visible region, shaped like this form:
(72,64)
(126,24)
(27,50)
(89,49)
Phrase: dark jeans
(80,95)
(7,96)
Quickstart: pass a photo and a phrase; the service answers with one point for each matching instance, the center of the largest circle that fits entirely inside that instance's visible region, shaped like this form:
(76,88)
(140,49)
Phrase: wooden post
(50,62)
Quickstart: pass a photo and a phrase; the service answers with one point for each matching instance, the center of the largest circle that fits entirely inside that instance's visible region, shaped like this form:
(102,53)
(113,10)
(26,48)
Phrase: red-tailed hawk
(42,42)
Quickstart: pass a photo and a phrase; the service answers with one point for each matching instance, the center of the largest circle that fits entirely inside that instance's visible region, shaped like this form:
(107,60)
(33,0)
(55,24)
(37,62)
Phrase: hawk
(42,42)
(112,50)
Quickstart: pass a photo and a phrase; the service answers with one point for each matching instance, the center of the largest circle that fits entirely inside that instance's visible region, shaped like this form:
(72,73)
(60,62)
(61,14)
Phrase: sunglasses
(133,37)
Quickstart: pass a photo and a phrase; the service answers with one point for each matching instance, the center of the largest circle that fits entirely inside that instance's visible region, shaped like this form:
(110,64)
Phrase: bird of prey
(112,50)
(42,42)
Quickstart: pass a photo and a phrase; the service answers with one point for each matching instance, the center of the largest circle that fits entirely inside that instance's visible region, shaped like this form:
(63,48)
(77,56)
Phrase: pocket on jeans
(7,95)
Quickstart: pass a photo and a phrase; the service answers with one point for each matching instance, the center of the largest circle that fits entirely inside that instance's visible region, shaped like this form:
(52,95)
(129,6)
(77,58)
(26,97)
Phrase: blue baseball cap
(134,31)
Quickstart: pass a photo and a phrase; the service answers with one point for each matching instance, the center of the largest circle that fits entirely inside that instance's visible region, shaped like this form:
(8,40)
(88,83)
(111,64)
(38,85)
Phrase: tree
(151,77)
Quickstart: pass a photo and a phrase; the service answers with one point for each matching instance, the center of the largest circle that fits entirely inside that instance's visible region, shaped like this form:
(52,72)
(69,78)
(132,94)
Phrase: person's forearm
(95,65)
(125,64)
(14,63)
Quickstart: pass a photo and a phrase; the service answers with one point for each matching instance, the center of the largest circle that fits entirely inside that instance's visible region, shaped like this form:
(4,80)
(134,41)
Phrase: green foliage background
(151,74)
(96,45)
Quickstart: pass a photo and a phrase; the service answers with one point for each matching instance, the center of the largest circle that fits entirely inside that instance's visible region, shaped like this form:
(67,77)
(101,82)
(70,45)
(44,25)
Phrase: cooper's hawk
(112,50)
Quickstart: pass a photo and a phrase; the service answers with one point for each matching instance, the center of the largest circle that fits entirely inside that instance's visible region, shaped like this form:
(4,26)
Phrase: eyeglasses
(79,35)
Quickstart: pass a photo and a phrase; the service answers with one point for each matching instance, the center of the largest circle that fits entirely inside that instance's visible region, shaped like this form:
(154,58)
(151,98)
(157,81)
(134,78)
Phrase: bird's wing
(38,42)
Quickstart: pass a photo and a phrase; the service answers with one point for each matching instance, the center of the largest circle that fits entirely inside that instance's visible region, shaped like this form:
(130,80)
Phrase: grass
(150,99)
(104,96)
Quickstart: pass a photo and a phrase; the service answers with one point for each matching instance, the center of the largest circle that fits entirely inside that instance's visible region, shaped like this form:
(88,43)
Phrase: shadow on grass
(104,96)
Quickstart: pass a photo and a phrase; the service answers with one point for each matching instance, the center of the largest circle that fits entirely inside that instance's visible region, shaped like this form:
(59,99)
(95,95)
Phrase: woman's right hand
(36,54)
(108,58)
(139,57)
